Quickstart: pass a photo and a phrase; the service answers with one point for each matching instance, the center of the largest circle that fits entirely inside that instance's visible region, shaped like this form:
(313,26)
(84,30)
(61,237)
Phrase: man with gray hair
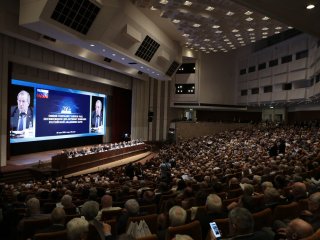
(77,229)
(242,224)
(177,216)
(131,209)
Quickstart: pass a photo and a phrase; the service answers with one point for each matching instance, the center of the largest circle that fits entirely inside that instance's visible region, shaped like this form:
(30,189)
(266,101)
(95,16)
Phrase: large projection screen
(44,112)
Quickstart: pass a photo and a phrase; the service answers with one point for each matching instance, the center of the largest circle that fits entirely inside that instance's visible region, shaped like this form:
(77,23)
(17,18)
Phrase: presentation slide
(43,112)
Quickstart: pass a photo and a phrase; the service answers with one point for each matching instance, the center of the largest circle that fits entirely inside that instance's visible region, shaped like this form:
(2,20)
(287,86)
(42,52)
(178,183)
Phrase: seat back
(58,235)
(112,214)
(288,211)
(31,225)
(151,221)
(192,229)
(262,219)
(149,209)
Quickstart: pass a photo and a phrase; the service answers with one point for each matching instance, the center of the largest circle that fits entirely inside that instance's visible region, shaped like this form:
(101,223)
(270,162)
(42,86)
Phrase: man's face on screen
(98,108)
(23,103)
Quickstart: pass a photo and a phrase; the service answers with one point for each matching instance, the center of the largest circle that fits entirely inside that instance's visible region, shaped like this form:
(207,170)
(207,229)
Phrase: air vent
(78,15)
(147,49)
(173,67)
(107,59)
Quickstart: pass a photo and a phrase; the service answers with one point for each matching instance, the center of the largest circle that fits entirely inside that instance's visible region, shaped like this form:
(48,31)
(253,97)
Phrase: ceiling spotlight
(265,29)
(185,35)
(163,1)
(265,18)
(238,35)
(289,27)
(310,6)
(264,36)
(175,20)
(276,32)
(206,40)
(187,3)
(235,30)
(92,45)
(240,39)
(113,54)
(253,40)
(249,19)
(248,13)
(218,31)
(250,29)
(215,26)
(278,28)
(123,59)
(209,8)
(265,33)
(229,13)
(196,25)
(103,50)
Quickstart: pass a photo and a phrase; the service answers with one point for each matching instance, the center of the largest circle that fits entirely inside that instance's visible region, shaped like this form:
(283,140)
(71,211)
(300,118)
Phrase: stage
(40,164)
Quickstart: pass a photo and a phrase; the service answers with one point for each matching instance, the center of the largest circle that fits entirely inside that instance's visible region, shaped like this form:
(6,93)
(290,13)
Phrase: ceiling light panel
(207,19)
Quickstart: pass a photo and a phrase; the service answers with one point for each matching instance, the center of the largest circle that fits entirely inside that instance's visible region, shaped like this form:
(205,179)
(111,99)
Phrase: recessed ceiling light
(141,67)
(226,40)
(265,33)
(241,42)
(229,13)
(278,28)
(207,40)
(187,3)
(250,29)
(265,18)
(252,34)
(240,39)
(92,45)
(218,31)
(238,35)
(113,54)
(175,20)
(252,37)
(209,8)
(196,44)
(123,59)
(310,6)
(215,26)
(202,48)
(235,30)
(290,27)
(229,43)
(265,29)
(264,36)
(163,1)
(196,25)
(185,35)
(253,40)
(103,50)
(276,32)
(249,19)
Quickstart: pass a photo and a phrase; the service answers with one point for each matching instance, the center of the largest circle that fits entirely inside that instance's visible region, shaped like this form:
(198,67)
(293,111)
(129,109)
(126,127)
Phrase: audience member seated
(77,229)
(131,209)
(312,215)
(296,229)
(106,205)
(58,217)
(242,225)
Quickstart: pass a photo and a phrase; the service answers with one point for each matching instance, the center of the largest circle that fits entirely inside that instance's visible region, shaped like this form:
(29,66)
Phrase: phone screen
(215,230)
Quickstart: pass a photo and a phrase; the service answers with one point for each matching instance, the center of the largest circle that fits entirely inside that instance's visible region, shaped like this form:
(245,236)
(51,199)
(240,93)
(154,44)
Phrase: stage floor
(41,159)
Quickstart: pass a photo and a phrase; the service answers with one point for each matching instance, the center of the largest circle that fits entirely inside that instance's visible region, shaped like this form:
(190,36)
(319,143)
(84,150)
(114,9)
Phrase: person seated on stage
(58,217)
(106,205)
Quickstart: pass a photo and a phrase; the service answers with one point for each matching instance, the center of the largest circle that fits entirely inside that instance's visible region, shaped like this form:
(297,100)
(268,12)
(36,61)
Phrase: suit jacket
(94,117)
(14,118)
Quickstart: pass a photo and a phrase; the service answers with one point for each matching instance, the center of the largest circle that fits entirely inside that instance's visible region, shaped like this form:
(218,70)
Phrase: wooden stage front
(37,165)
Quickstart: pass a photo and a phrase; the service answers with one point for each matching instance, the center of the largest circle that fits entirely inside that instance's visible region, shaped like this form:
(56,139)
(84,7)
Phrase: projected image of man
(97,116)
(22,114)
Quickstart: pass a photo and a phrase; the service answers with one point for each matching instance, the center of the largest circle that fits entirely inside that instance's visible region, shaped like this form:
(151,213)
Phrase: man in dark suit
(21,117)
(96,115)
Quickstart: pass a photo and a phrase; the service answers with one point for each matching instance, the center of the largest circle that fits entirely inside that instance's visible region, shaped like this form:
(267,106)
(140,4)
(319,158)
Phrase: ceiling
(225,25)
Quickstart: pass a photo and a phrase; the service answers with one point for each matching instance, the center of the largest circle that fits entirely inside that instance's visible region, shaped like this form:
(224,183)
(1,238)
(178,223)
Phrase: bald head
(106,201)
(314,202)
(299,190)
(298,229)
